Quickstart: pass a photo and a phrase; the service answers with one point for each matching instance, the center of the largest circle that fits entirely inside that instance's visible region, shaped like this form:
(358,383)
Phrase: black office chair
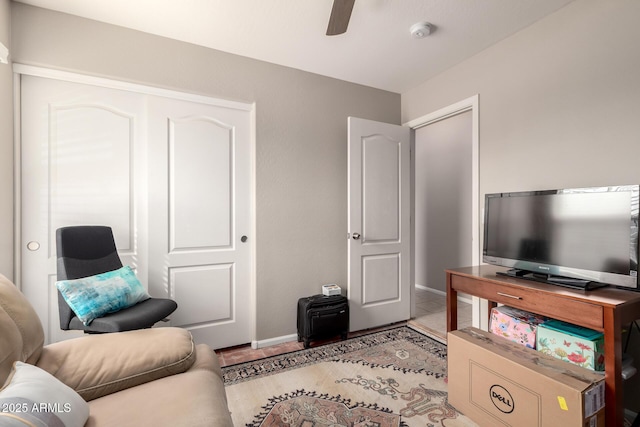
(84,251)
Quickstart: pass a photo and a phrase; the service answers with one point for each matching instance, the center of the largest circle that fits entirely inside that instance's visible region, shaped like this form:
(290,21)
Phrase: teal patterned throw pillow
(94,296)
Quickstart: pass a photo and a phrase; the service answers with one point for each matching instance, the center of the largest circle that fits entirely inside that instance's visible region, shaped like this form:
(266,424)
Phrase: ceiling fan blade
(340,15)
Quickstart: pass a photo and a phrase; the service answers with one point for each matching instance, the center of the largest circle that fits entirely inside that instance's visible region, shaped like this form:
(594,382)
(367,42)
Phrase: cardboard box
(516,325)
(499,383)
(572,343)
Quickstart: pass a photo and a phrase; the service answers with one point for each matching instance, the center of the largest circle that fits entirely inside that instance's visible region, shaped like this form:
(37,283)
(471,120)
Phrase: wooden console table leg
(452,306)
(614,406)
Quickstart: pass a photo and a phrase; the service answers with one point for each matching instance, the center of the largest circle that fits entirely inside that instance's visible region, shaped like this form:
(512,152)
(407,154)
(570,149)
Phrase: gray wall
(301,128)
(558,100)
(443,237)
(558,105)
(6,147)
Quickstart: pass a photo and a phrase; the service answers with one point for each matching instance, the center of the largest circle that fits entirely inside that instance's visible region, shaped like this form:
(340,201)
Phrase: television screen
(590,234)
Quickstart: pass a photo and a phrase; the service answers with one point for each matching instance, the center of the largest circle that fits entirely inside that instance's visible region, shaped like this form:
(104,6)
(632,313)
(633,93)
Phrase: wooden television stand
(607,310)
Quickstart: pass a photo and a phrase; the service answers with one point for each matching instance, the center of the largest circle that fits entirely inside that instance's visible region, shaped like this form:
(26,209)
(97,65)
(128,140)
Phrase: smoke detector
(420,30)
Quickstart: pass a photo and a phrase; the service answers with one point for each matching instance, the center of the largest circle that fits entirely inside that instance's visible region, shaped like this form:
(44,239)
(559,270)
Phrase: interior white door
(171,177)
(379,223)
(200,228)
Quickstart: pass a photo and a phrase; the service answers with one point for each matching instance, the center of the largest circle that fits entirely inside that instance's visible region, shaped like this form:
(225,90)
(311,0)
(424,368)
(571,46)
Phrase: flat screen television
(579,237)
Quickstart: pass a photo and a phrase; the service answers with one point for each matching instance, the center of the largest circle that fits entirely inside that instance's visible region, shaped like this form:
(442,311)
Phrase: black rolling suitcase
(322,316)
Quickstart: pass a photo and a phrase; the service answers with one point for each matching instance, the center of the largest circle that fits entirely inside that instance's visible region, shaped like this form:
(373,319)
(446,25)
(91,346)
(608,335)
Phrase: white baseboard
(273,341)
(442,293)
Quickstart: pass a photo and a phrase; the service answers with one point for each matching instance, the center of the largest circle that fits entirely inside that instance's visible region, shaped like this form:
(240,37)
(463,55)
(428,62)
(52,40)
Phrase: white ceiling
(377,50)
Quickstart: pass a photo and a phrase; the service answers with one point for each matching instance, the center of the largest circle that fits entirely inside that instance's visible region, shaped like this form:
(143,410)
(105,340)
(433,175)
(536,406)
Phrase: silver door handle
(355,236)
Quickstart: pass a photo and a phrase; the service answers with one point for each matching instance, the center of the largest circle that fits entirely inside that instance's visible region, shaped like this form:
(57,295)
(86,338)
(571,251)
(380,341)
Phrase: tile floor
(430,315)
(431,312)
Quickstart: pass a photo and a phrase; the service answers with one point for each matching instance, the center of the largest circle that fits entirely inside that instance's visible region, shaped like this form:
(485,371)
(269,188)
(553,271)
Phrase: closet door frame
(21,69)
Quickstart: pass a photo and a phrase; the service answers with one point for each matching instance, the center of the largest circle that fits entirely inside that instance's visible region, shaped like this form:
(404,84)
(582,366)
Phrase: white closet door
(171,177)
(199,222)
(82,163)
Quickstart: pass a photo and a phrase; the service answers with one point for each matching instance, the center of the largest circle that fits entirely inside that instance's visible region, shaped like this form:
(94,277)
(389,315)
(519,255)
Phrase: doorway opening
(445,226)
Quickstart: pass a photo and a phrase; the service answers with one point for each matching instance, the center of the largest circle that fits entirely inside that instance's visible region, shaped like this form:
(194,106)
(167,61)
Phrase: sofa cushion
(97,365)
(21,334)
(195,398)
(32,396)
(94,296)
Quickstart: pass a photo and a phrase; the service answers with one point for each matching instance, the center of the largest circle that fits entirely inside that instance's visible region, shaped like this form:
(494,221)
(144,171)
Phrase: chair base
(143,315)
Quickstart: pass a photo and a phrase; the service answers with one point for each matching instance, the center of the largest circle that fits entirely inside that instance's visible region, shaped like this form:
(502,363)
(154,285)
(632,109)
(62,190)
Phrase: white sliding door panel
(95,143)
(200,152)
(82,155)
(197,249)
(203,304)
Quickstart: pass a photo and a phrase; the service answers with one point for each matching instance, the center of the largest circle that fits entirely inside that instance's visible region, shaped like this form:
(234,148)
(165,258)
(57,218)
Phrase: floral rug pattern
(396,377)
(301,409)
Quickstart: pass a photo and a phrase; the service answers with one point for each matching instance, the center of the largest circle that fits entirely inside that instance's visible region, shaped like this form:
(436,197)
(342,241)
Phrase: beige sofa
(152,377)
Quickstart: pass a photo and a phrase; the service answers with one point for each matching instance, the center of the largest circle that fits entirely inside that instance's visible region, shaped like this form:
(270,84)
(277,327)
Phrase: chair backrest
(83,251)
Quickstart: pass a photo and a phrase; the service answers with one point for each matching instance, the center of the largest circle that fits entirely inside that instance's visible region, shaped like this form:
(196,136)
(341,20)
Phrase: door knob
(355,236)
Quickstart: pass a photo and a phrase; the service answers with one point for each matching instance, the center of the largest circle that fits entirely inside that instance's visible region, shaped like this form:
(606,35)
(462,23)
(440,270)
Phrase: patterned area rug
(396,377)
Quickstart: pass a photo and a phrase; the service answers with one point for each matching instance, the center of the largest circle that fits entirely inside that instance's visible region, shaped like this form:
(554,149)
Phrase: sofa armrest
(195,398)
(97,365)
